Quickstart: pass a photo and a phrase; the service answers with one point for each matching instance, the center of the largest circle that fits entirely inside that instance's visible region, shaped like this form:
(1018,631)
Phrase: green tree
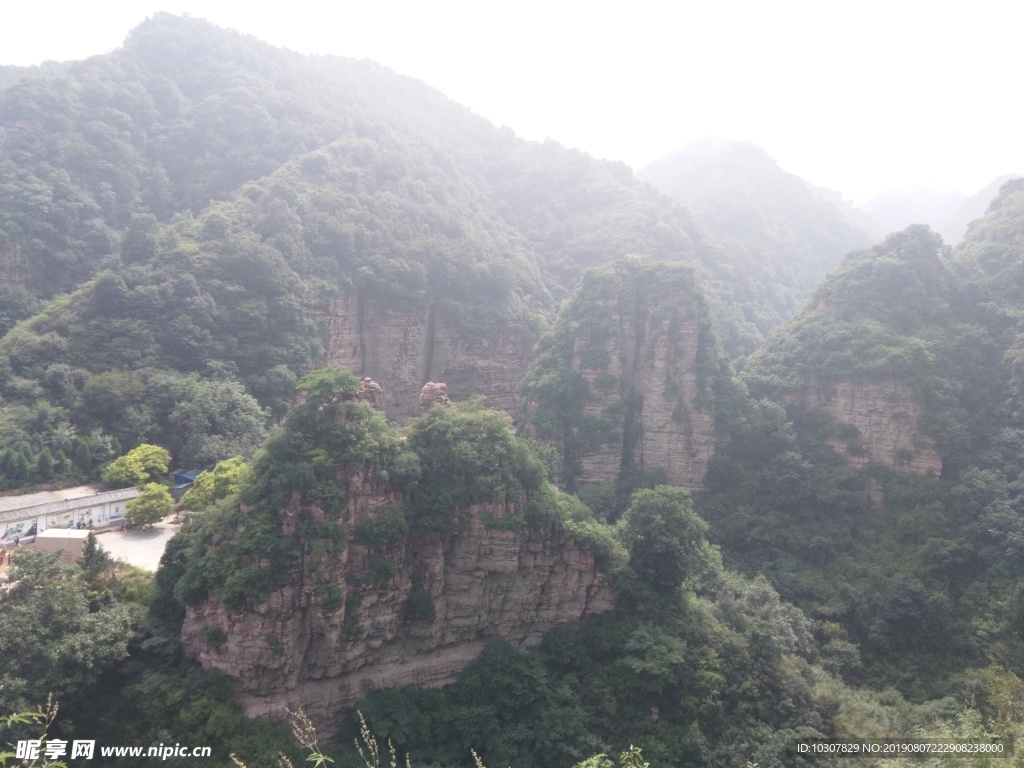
(44,465)
(228,477)
(217,420)
(18,472)
(124,472)
(7,461)
(60,464)
(468,454)
(113,399)
(94,560)
(153,458)
(82,457)
(139,464)
(152,505)
(50,640)
(664,536)
(276,388)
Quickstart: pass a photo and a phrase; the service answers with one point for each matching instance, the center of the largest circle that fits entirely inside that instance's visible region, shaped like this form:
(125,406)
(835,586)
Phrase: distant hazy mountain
(782,235)
(896,209)
(849,211)
(948,213)
(974,207)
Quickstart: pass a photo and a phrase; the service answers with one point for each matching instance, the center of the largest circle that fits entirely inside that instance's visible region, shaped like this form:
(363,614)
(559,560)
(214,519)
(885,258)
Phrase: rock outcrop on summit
(361,559)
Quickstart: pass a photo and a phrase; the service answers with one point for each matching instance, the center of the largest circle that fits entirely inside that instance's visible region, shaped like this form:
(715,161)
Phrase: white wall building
(22,517)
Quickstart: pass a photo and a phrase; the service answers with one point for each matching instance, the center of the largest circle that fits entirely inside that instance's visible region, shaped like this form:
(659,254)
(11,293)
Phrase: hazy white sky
(858,96)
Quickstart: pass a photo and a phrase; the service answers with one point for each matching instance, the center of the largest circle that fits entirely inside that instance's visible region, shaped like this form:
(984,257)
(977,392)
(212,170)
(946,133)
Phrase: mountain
(885,447)
(199,233)
(779,235)
(215,209)
(870,337)
(897,209)
(364,566)
(954,226)
(422,523)
(948,213)
(856,217)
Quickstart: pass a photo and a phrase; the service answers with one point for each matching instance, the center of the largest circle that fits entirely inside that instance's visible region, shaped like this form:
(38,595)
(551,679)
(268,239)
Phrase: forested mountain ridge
(954,227)
(896,428)
(186,112)
(911,310)
(897,209)
(181,253)
(101,155)
(780,237)
(873,334)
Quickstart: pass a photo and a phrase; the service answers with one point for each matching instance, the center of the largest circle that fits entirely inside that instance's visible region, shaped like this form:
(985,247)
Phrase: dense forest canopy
(917,549)
(203,197)
(188,221)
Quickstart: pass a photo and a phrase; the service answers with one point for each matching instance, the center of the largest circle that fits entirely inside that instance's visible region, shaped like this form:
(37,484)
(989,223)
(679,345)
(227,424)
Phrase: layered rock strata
(636,337)
(433,394)
(409,347)
(647,396)
(886,415)
(337,632)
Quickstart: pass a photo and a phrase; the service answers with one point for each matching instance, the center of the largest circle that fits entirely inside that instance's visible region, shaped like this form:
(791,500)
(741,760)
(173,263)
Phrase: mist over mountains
(516,450)
(948,213)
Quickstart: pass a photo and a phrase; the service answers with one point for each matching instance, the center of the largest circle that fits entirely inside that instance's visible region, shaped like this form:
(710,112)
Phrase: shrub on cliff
(306,465)
(665,537)
(468,454)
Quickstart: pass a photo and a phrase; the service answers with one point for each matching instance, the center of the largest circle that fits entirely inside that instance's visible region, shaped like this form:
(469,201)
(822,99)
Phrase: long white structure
(22,517)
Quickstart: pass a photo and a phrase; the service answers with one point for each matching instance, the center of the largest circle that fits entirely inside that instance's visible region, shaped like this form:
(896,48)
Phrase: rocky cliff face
(652,410)
(13,265)
(677,424)
(409,347)
(342,629)
(885,415)
(871,350)
(635,347)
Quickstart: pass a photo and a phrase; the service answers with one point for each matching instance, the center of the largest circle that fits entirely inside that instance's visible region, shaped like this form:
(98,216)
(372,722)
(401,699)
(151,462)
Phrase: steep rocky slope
(304,647)
(884,418)
(409,348)
(359,560)
(629,378)
(872,352)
